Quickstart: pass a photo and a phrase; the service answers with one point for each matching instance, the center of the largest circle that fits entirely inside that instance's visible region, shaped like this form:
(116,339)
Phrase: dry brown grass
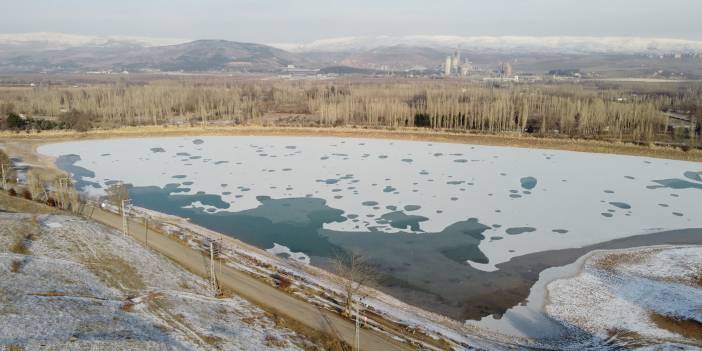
(16,266)
(14,348)
(273,341)
(19,205)
(213,340)
(115,272)
(688,328)
(611,261)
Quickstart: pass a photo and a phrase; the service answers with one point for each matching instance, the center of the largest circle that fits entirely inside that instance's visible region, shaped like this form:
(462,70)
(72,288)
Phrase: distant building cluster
(455,68)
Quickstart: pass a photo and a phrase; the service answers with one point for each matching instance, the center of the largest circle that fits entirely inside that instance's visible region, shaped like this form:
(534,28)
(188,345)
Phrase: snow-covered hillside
(88,287)
(54,41)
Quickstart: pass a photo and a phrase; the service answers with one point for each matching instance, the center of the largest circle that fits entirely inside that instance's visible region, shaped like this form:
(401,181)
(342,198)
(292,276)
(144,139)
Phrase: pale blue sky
(305,20)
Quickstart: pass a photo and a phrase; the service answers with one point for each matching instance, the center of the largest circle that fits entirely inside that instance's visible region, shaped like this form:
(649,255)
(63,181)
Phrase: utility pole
(213,277)
(357,338)
(125,221)
(146,232)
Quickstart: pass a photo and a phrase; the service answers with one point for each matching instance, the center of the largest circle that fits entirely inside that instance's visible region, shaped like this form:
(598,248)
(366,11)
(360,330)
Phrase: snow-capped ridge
(564,44)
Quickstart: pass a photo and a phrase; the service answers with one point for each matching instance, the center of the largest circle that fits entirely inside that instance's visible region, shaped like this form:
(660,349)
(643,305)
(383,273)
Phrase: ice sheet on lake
(502,187)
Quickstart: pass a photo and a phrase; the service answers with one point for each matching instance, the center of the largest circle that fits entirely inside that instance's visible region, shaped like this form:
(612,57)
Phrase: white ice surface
(570,193)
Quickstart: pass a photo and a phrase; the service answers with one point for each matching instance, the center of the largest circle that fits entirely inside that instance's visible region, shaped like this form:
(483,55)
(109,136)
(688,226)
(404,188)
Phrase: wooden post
(146,232)
(125,221)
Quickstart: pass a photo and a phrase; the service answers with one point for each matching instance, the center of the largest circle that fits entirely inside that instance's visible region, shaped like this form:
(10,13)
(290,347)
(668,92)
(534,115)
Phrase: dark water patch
(407,160)
(453,198)
(460,160)
(389,189)
(243,188)
(528,183)
(424,173)
(663,205)
(607,214)
(105,155)
(79,174)
(609,191)
(291,147)
(411,208)
(324,158)
(287,169)
(515,196)
(629,177)
(179,176)
(391,208)
(198,141)
(174,188)
(226,193)
(513,191)
(678,214)
(455,182)
(438,154)
(560,231)
(195,157)
(188,183)
(220,162)
(328,181)
(675,184)
(696,176)
(495,238)
(400,220)
(111,182)
(336,190)
(183,154)
(369,203)
(519,230)
(383,156)
(157,149)
(622,205)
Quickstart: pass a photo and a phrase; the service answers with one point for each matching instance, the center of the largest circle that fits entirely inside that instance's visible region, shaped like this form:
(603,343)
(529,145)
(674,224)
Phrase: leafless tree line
(572,110)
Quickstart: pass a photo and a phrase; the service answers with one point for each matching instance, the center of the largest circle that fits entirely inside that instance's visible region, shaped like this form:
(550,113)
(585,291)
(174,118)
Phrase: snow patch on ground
(281,250)
(618,292)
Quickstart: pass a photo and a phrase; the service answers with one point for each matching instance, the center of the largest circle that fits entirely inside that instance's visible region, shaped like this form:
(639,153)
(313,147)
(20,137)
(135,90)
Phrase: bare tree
(354,272)
(117,193)
(7,171)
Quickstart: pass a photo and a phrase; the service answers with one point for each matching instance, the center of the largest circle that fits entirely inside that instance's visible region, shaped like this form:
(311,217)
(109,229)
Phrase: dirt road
(249,287)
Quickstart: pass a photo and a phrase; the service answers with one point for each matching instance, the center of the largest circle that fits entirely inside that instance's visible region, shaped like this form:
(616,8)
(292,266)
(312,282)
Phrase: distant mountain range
(57,52)
(140,55)
(504,44)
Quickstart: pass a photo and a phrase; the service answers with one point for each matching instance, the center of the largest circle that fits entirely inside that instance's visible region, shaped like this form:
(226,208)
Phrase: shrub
(12,192)
(26,194)
(51,202)
(284,283)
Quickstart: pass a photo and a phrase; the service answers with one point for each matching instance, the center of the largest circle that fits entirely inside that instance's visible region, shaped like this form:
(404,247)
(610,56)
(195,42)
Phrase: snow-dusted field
(84,286)
(532,200)
(630,297)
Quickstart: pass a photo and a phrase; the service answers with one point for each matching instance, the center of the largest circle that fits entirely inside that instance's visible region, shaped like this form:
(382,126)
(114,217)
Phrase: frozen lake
(436,218)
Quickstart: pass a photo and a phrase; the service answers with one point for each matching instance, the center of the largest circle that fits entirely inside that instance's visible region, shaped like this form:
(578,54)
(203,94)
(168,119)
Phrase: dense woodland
(631,113)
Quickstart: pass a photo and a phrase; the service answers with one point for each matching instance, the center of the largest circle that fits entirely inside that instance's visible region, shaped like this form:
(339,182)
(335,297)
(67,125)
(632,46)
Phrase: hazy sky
(271,21)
